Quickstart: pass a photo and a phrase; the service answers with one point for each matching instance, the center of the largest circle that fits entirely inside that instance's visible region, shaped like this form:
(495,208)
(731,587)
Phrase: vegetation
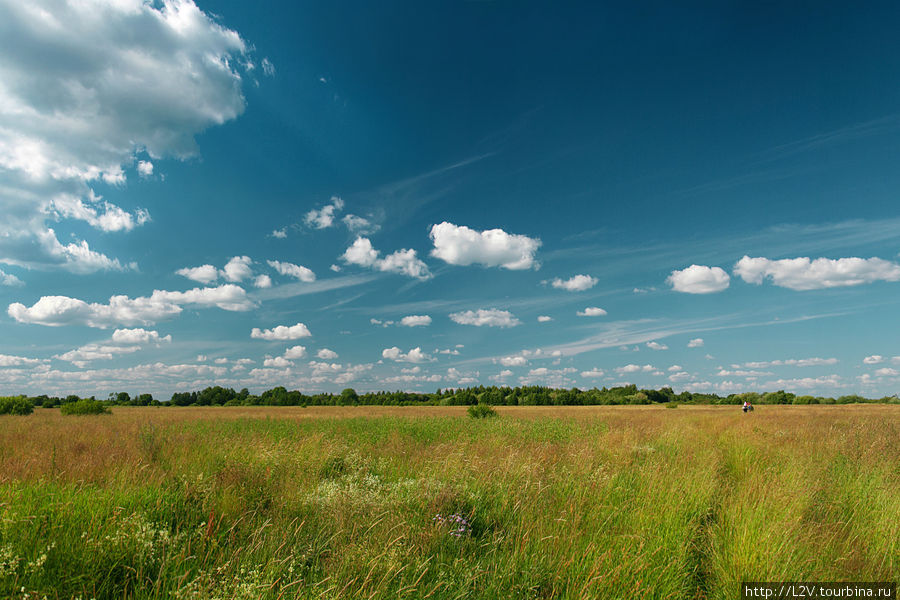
(416,502)
(15,405)
(84,407)
(493,395)
(481,411)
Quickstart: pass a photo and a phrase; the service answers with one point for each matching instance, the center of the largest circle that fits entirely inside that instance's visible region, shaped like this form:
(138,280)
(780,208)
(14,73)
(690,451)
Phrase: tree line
(493,395)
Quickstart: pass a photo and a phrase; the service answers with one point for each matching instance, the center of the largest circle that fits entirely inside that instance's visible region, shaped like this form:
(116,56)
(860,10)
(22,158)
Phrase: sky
(413,196)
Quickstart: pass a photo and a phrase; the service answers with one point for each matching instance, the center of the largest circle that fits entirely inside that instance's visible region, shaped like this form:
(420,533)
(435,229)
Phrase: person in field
(747,406)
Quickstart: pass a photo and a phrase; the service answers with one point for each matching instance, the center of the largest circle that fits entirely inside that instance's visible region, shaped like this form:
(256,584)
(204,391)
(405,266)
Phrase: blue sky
(405,196)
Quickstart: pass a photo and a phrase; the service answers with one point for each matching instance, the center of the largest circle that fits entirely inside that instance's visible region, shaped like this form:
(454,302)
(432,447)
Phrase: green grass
(593,503)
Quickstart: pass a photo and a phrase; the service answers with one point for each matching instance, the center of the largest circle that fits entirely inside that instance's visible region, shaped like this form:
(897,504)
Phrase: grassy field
(371,502)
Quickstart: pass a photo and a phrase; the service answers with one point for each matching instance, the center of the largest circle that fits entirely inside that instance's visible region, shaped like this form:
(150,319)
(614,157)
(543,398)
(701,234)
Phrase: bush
(15,405)
(84,407)
(481,411)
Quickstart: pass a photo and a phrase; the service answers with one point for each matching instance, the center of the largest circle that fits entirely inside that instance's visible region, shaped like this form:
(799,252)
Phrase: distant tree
(349,397)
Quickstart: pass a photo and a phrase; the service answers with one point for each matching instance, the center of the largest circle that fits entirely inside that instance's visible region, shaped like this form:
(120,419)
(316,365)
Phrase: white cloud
(403,261)
(415,321)
(491,317)
(123,341)
(413,356)
(237,269)
(326,354)
(791,362)
(675,368)
(86,87)
(324,217)
(591,311)
(9,279)
(544,319)
(699,279)
(657,346)
(7,360)
(357,224)
(887,372)
(282,332)
(279,233)
(262,282)
(138,336)
(80,357)
(292,270)
(593,373)
(874,359)
(122,310)
(804,274)
(695,343)
(513,361)
(824,382)
(680,376)
(295,352)
(635,369)
(578,283)
(145,168)
(278,362)
(203,274)
(460,245)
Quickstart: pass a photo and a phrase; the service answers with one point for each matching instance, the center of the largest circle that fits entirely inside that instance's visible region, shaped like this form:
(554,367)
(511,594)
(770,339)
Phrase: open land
(425,502)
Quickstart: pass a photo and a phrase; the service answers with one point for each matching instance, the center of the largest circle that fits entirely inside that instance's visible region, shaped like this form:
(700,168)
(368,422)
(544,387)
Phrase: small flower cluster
(456,523)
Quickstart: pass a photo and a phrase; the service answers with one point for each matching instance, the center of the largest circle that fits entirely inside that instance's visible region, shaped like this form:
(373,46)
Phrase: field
(371,502)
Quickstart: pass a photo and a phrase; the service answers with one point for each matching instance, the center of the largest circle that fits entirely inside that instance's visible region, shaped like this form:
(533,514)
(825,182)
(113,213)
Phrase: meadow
(425,502)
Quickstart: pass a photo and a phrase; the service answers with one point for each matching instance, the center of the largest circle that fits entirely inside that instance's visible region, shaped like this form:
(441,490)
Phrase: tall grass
(367,503)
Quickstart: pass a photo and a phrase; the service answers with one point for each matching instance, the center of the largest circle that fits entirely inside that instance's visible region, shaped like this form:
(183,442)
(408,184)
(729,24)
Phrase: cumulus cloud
(636,369)
(591,311)
(874,359)
(887,372)
(262,282)
(695,343)
(123,341)
(292,270)
(403,261)
(282,332)
(205,274)
(145,168)
(460,245)
(544,319)
(295,352)
(9,280)
(593,373)
(7,360)
(513,361)
(326,354)
(699,279)
(416,355)
(324,217)
(415,321)
(491,317)
(803,274)
(237,269)
(121,310)
(578,283)
(278,362)
(87,87)
(279,233)
(138,336)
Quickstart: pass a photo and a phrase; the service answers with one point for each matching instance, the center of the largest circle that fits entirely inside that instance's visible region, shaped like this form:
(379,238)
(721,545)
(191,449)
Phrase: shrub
(481,411)
(671,405)
(84,407)
(15,405)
